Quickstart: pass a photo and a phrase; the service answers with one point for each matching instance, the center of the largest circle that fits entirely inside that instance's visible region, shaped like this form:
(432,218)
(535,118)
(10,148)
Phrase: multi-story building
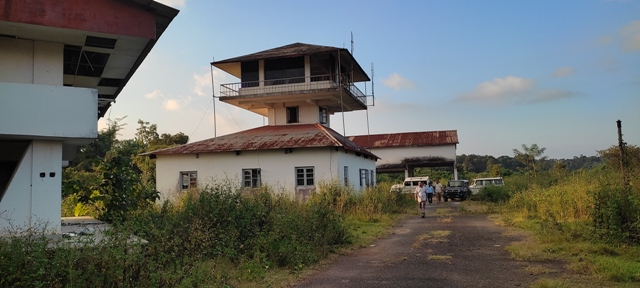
(62,64)
(297,87)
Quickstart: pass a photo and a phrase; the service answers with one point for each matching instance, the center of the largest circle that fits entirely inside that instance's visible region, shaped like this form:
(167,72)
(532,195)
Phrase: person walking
(421,196)
(429,193)
(439,192)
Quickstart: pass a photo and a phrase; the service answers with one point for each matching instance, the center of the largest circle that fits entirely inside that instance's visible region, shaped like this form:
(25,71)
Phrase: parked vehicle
(480,183)
(409,185)
(457,189)
(397,188)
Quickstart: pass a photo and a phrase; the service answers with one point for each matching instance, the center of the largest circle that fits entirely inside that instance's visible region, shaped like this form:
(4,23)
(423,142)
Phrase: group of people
(424,193)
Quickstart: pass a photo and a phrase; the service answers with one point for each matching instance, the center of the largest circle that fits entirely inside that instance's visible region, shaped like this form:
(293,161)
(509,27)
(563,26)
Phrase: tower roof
(297,49)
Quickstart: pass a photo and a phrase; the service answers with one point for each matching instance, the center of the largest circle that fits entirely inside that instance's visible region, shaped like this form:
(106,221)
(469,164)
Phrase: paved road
(436,251)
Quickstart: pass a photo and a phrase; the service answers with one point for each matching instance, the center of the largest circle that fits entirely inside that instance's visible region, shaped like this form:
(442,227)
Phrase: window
(188,179)
(304,176)
(346,175)
(364,177)
(284,71)
(371,179)
(322,67)
(292,114)
(251,178)
(322,115)
(249,74)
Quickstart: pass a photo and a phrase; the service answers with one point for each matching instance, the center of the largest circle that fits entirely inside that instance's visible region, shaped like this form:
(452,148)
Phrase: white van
(410,183)
(480,183)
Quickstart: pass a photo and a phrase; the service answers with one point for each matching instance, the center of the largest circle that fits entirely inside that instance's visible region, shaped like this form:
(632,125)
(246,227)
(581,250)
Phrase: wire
(234,119)
(205,114)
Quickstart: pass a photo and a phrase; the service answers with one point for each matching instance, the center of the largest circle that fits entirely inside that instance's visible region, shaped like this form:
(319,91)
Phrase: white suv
(480,183)
(409,185)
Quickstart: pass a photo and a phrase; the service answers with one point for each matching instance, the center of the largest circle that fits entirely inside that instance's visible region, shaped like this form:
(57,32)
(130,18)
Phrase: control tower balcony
(324,90)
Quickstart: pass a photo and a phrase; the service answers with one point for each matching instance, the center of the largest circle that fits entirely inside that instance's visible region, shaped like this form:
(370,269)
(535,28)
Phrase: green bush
(616,213)
(495,194)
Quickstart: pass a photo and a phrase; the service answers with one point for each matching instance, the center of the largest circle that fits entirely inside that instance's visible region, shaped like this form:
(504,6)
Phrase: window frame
(364,177)
(323,115)
(305,176)
(346,175)
(193,180)
(255,179)
(290,112)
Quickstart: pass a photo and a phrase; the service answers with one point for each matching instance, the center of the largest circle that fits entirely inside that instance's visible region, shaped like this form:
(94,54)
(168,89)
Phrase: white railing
(290,86)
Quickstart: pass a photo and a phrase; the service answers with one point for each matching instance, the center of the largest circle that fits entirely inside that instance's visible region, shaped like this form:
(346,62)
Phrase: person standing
(439,193)
(421,196)
(429,193)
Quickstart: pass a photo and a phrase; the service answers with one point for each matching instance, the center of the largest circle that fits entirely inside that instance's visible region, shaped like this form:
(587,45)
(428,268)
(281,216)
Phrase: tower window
(322,115)
(292,115)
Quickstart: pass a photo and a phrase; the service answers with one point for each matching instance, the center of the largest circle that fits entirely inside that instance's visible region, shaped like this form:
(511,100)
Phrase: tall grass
(570,200)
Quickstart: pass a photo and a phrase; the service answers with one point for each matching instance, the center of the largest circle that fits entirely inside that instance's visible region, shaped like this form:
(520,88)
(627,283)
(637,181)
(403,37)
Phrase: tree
(529,157)
(111,173)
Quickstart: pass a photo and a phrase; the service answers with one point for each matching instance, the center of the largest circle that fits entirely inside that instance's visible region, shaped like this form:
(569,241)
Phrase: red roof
(267,138)
(409,139)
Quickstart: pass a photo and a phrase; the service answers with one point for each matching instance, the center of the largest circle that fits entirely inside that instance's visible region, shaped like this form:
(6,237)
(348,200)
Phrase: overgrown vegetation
(590,219)
(210,237)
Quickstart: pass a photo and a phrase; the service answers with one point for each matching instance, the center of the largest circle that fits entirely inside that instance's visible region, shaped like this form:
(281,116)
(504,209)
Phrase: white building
(403,152)
(62,64)
(297,87)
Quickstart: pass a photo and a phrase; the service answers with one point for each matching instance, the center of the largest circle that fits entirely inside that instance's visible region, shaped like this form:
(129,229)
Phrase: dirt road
(435,251)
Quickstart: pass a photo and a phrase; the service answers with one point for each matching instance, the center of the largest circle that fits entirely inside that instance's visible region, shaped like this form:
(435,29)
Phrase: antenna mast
(213,93)
(373,100)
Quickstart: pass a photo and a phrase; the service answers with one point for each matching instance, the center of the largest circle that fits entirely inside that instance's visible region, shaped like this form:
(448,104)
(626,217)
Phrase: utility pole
(622,156)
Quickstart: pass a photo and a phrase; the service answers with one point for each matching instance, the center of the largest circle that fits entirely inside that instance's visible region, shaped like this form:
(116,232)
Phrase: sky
(502,73)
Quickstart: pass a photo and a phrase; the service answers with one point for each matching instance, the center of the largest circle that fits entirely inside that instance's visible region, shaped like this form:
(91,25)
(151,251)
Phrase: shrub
(495,194)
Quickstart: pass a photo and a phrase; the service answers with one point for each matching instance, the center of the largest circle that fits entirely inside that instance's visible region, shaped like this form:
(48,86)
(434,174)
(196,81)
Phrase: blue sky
(501,73)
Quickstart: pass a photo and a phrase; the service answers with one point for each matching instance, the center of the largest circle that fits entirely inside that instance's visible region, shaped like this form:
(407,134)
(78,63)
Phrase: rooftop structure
(319,75)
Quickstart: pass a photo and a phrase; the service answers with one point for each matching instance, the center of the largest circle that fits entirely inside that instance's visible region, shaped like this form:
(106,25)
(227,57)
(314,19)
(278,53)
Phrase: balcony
(324,90)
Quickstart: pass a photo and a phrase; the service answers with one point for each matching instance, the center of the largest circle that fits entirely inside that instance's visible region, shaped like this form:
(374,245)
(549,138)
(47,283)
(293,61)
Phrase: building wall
(354,165)
(33,197)
(277,168)
(308,114)
(37,108)
(31,62)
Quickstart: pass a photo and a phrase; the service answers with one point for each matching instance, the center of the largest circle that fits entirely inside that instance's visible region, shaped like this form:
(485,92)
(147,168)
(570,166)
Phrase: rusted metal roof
(409,139)
(268,138)
(296,50)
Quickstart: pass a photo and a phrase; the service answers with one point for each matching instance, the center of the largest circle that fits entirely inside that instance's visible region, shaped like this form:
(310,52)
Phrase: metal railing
(291,86)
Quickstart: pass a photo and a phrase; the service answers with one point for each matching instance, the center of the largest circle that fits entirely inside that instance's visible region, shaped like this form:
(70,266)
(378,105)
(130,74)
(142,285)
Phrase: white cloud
(631,36)
(201,83)
(171,105)
(397,82)
(513,90)
(173,3)
(153,95)
(499,89)
(563,72)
